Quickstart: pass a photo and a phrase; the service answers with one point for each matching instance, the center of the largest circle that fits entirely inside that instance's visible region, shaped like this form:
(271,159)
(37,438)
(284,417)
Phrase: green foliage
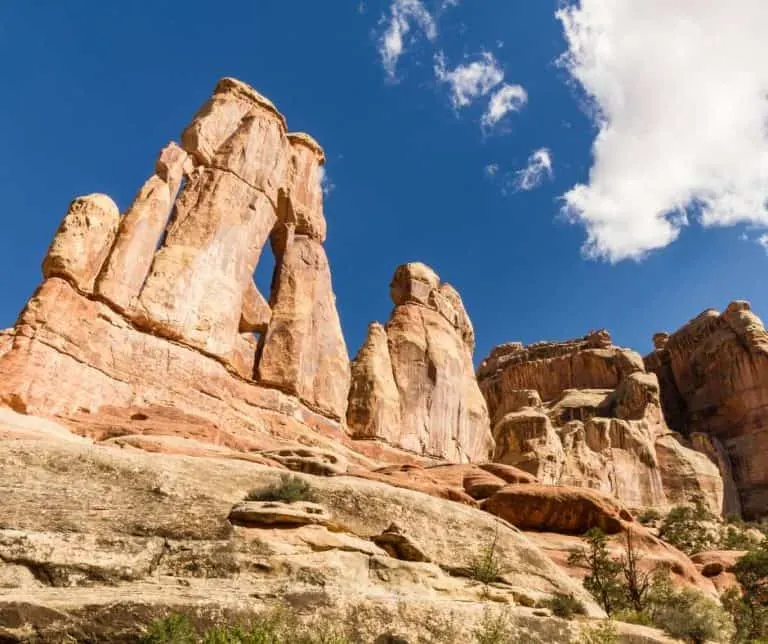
(749,609)
(688,614)
(495,628)
(278,627)
(175,629)
(565,606)
(649,516)
(486,567)
(289,490)
(603,633)
(736,537)
(687,528)
(602,580)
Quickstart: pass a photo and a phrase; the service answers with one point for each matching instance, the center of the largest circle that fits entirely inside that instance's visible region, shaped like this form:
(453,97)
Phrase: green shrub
(689,528)
(496,628)
(749,609)
(649,516)
(486,568)
(289,490)
(565,606)
(174,629)
(277,627)
(736,537)
(602,633)
(693,617)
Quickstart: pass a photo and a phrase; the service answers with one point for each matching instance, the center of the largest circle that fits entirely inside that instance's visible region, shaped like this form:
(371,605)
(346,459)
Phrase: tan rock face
(413,383)
(304,352)
(714,380)
(83,241)
(141,229)
(586,413)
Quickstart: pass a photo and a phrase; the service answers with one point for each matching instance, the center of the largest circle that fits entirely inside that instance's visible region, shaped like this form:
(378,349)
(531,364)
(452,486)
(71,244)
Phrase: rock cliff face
(714,383)
(413,382)
(586,413)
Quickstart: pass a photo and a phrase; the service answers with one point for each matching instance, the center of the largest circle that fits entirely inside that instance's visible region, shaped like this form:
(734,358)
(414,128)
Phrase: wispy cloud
(763,241)
(326,185)
(679,94)
(469,81)
(538,169)
(508,98)
(404,15)
(492,169)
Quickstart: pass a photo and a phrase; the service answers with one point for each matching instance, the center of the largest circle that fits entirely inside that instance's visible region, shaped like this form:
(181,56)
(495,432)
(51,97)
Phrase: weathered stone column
(83,241)
(141,229)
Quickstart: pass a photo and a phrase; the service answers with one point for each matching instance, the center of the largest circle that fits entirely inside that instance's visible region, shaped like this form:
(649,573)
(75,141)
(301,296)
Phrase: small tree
(637,583)
(602,580)
(485,568)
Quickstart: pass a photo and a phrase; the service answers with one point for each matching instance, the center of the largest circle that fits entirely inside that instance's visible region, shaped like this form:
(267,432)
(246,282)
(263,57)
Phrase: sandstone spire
(419,391)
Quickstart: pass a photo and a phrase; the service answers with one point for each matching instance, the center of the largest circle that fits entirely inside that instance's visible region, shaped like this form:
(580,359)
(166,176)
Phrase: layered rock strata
(159,307)
(586,413)
(714,383)
(413,383)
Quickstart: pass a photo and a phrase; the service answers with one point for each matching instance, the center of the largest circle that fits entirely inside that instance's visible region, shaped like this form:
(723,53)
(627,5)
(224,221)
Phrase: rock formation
(714,389)
(159,308)
(586,413)
(413,383)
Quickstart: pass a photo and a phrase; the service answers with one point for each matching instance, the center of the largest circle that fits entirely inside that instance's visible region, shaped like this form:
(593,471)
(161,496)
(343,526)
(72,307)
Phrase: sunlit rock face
(714,383)
(413,382)
(586,413)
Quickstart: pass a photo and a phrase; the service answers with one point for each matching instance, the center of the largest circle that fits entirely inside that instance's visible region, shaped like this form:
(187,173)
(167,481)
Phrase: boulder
(276,513)
(549,508)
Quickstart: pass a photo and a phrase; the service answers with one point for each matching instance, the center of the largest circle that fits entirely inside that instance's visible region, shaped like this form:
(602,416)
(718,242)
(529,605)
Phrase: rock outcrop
(586,413)
(413,382)
(159,308)
(714,382)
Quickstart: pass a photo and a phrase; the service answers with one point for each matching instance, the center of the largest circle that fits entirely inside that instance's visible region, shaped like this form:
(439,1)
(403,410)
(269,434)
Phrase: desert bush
(690,529)
(486,567)
(174,629)
(749,608)
(603,633)
(289,490)
(690,615)
(565,606)
(277,627)
(496,627)
(649,516)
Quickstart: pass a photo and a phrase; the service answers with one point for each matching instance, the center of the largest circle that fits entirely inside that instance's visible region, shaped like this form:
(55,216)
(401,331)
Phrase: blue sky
(93,90)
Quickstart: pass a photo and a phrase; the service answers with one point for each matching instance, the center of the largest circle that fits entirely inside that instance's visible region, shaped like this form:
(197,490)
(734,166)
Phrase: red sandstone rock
(429,345)
(141,229)
(557,509)
(600,424)
(83,241)
(714,378)
(304,352)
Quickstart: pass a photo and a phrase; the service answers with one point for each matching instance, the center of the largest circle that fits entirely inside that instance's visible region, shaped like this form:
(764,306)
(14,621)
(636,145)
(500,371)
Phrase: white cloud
(763,241)
(679,91)
(326,185)
(492,169)
(532,175)
(403,15)
(469,81)
(508,98)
